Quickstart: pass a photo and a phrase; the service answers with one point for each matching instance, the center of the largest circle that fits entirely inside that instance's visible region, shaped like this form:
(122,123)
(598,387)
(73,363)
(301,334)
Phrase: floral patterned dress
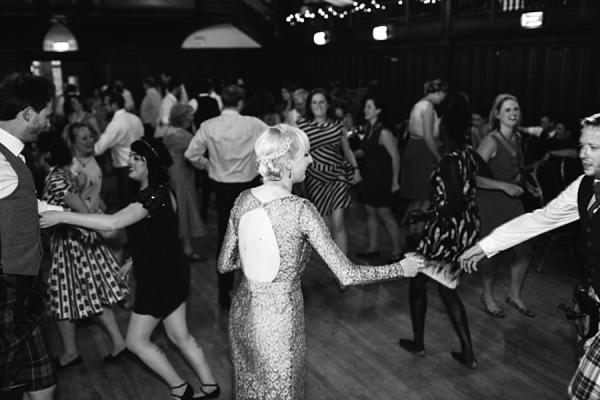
(83,275)
(266,323)
(448,236)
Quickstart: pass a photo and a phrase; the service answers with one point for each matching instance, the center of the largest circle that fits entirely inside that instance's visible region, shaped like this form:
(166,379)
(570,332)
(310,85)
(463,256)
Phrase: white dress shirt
(163,118)
(124,129)
(8,176)
(150,108)
(229,139)
(559,212)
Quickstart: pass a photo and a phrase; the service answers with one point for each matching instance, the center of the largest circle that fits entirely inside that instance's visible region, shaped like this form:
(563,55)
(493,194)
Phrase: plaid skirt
(24,360)
(585,385)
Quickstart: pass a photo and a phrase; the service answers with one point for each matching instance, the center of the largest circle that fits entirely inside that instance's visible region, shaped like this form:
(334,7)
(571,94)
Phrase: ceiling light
(321,38)
(59,38)
(532,19)
(380,32)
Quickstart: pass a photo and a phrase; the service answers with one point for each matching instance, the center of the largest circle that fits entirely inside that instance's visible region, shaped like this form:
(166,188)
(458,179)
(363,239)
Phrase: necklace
(84,160)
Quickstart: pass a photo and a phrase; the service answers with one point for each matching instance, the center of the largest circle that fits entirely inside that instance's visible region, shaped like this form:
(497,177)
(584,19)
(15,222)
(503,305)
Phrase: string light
(330,12)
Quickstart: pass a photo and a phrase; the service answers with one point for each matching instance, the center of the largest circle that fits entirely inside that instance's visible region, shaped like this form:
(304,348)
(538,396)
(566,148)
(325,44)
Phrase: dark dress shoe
(368,254)
(59,367)
(109,359)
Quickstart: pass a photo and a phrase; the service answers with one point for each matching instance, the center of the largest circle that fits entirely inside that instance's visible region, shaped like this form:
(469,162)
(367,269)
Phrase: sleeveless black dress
(160,268)
(377,172)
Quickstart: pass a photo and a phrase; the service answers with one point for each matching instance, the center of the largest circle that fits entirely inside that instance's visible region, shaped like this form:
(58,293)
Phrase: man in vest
(580,200)
(25,104)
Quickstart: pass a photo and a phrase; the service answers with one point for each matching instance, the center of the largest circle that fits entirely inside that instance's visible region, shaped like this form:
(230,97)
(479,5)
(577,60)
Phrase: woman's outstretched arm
(102,222)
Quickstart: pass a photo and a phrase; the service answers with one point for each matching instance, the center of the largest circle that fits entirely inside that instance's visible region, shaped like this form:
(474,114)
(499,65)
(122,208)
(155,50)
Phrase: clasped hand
(50,218)
(469,259)
(412,266)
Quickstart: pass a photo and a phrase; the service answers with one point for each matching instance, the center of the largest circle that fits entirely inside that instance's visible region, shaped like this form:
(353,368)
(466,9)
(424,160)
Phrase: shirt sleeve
(44,206)
(559,212)
(108,139)
(197,148)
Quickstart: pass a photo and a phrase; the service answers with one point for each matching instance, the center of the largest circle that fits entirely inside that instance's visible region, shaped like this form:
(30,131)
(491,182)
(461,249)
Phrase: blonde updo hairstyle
(277,147)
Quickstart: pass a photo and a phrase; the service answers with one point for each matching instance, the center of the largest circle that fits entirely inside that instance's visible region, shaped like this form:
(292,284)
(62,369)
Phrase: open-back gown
(266,323)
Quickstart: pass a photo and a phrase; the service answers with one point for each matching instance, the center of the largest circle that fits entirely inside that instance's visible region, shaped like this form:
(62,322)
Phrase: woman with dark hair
(330,176)
(422,153)
(83,279)
(182,179)
(498,200)
(380,179)
(451,227)
(262,105)
(160,268)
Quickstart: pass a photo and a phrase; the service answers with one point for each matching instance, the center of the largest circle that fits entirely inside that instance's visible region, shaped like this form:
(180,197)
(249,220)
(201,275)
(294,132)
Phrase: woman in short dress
(498,201)
(83,276)
(421,154)
(160,268)
(330,176)
(451,226)
(381,168)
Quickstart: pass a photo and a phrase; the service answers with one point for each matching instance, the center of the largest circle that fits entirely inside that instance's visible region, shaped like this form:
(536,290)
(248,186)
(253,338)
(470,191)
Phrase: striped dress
(329,177)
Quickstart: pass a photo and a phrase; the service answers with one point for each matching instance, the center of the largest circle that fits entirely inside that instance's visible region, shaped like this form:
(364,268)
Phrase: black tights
(418,307)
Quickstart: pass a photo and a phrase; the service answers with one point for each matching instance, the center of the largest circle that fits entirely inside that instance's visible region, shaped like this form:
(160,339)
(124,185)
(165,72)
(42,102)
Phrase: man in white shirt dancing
(580,200)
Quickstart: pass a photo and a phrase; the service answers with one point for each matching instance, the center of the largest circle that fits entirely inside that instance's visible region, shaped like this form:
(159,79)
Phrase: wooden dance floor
(352,338)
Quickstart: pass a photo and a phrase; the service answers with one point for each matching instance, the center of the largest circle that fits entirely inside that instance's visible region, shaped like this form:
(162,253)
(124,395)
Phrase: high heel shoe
(469,362)
(411,347)
(212,395)
(187,395)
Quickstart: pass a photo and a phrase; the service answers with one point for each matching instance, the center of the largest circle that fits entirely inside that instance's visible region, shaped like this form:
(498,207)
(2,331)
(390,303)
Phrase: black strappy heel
(187,395)
(212,395)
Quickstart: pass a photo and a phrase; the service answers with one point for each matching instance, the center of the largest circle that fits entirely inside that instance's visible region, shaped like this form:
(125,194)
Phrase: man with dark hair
(579,201)
(150,108)
(123,129)
(25,105)
(231,162)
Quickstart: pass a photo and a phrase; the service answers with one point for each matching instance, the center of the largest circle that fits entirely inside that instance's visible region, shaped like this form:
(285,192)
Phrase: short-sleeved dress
(160,268)
(90,194)
(329,177)
(83,274)
(183,183)
(377,172)
(266,322)
(446,238)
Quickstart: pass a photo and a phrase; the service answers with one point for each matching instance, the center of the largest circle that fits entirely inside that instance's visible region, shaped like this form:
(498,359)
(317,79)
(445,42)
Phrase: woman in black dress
(380,179)
(160,268)
(451,226)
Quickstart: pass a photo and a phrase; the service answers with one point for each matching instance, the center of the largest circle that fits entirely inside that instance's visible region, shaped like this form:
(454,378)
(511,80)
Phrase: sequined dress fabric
(266,324)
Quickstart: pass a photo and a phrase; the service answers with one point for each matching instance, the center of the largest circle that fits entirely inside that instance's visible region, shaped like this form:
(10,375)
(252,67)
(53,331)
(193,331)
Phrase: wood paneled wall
(558,75)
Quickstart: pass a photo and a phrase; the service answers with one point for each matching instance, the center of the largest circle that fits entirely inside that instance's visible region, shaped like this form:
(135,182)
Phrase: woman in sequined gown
(270,236)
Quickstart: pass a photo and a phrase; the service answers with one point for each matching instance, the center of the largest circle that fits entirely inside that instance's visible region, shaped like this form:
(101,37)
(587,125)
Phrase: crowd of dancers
(282,175)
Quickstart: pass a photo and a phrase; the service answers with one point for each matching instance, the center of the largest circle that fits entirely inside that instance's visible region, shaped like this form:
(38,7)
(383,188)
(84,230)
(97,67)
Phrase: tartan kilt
(24,361)
(585,384)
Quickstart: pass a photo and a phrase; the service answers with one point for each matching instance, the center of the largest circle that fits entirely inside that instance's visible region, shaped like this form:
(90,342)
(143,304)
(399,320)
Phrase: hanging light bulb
(59,38)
